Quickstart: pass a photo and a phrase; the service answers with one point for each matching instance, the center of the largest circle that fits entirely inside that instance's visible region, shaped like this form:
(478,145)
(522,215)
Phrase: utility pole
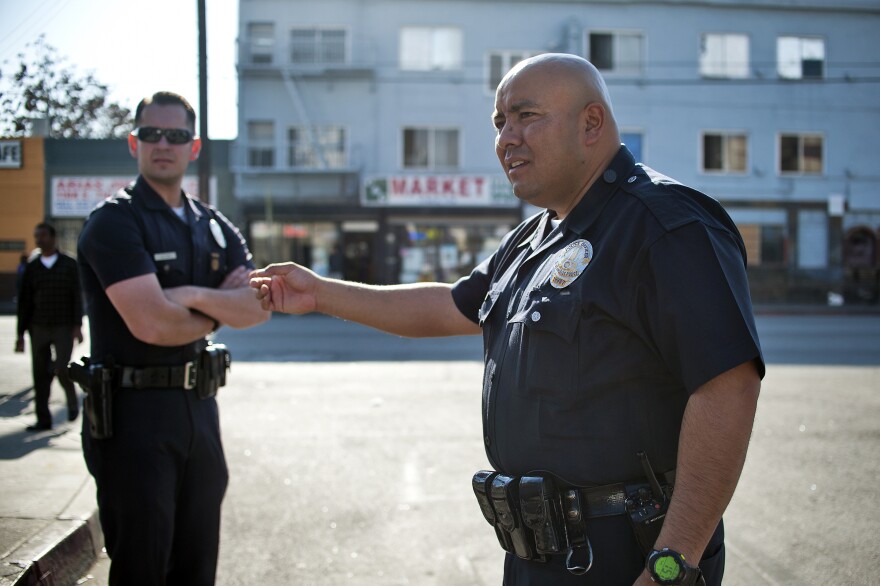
(205,156)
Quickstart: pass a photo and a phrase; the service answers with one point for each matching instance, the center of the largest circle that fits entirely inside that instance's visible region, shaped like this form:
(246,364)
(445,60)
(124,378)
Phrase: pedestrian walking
(160,271)
(50,311)
(622,364)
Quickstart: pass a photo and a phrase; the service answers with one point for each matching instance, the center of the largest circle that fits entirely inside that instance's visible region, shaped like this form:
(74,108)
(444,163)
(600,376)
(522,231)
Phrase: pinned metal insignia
(218,233)
(570,262)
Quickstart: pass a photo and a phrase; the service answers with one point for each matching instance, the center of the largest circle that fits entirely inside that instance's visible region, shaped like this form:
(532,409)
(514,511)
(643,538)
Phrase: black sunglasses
(152,134)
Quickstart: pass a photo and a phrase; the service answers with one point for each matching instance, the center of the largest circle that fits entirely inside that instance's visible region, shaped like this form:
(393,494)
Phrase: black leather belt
(610,499)
(160,377)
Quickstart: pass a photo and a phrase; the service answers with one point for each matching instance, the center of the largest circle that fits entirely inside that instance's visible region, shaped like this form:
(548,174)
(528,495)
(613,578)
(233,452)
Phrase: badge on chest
(570,262)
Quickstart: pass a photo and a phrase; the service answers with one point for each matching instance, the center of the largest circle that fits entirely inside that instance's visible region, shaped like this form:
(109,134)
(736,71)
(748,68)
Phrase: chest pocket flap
(559,317)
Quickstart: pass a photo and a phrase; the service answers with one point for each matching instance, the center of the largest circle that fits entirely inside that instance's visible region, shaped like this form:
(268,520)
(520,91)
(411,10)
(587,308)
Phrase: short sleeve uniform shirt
(135,233)
(582,375)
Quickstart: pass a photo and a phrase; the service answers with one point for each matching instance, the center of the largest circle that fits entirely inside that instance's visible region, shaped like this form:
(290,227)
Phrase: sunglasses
(152,134)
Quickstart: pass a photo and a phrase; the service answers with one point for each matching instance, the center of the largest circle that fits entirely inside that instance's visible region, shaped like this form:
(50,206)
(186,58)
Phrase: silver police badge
(569,263)
(218,233)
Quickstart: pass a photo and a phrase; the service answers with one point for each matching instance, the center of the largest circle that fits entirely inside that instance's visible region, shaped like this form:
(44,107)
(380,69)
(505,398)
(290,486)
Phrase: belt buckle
(189,375)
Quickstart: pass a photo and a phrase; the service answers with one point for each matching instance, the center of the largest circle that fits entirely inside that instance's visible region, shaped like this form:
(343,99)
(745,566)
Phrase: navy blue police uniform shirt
(581,378)
(134,233)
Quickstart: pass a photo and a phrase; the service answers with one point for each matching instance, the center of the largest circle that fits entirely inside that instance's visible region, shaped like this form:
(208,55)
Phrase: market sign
(10,154)
(437,190)
(75,197)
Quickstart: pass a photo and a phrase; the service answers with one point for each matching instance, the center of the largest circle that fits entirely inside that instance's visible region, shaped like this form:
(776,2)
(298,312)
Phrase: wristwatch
(667,566)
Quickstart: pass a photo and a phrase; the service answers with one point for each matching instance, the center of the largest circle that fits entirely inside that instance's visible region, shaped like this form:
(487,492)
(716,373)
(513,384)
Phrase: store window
(425,48)
(261,143)
(800,57)
(312,46)
(616,51)
(498,63)
(724,55)
(430,148)
(310,244)
(316,147)
(444,251)
(724,152)
(765,244)
(801,154)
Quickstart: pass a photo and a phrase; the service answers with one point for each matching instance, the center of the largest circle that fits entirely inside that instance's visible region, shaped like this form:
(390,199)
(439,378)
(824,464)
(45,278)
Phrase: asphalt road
(351,453)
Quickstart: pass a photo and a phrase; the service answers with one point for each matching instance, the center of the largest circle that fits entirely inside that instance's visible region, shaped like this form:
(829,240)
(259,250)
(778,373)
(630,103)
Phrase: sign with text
(10,154)
(437,190)
(75,197)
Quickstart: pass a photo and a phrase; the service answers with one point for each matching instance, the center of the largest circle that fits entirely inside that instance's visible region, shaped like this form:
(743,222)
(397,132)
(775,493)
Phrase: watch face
(667,569)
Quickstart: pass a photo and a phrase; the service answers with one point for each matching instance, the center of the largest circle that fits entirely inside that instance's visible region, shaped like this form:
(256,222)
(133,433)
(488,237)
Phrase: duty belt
(535,517)
(160,377)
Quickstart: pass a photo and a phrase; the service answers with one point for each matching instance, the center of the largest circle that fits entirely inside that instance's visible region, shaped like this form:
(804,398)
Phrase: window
(429,48)
(800,57)
(633,141)
(318,147)
(724,152)
(261,42)
(800,153)
(500,62)
(724,55)
(616,52)
(261,144)
(310,46)
(765,243)
(430,148)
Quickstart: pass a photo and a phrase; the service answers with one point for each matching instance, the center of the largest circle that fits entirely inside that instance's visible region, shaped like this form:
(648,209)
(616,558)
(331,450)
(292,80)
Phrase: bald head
(578,74)
(556,131)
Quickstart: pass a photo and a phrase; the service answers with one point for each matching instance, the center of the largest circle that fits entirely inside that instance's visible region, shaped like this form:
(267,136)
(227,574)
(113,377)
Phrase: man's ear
(196,148)
(593,120)
(132,145)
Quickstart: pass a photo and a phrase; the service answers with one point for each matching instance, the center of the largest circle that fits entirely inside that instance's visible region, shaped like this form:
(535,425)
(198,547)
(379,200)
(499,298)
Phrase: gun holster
(214,361)
(98,381)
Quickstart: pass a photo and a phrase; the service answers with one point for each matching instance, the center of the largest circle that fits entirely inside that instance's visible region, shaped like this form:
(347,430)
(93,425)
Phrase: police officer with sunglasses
(160,271)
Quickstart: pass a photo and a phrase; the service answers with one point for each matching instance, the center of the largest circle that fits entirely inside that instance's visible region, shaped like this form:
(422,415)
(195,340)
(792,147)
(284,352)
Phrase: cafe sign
(437,190)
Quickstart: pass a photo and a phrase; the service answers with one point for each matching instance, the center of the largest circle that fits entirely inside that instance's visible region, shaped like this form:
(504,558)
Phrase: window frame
(507,64)
(725,63)
(431,155)
(780,65)
(725,136)
(338,159)
(261,147)
(800,172)
(433,64)
(319,45)
(616,34)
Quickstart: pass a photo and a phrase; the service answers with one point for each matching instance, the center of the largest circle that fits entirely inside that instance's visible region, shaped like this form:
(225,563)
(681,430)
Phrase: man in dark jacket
(50,309)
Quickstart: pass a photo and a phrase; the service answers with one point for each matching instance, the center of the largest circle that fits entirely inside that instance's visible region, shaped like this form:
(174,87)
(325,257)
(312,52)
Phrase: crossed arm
(173,317)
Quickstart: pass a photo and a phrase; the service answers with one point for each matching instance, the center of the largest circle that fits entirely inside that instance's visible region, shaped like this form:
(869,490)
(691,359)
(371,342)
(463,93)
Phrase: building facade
(365,147)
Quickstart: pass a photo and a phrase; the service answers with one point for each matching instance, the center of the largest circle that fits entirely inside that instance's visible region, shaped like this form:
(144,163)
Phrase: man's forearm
(712,449)
(415,311)
(237,307)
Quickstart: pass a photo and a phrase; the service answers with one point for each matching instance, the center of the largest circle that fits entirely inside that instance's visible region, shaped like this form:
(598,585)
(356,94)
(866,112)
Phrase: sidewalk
(49,529)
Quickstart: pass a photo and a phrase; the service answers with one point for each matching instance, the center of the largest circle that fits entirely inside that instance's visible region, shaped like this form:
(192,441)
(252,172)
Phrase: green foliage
(42,86)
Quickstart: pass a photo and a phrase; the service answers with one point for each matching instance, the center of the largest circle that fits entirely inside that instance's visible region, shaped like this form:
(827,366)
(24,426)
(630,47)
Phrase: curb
(66,558)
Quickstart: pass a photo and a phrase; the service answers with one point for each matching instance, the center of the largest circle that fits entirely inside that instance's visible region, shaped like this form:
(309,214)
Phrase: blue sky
(135,48)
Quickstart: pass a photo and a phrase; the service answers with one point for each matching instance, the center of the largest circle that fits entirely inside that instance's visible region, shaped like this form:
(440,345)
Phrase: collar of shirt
(154,202)
(591,205)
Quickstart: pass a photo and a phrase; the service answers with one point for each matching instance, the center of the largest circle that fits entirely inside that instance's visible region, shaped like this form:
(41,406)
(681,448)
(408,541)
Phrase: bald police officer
(619,339)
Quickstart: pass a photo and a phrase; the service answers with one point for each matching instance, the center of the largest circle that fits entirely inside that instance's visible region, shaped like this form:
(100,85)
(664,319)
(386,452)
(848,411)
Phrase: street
(351,456)
(351,452)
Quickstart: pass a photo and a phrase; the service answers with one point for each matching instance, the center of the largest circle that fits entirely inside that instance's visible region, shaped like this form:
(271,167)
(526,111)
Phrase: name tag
(160,256)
